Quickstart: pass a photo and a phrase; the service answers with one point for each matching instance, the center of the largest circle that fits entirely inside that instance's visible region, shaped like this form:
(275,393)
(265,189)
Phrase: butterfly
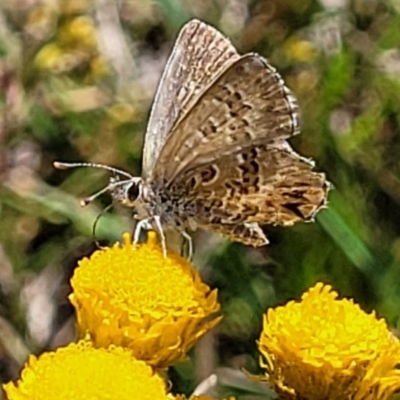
(216,154)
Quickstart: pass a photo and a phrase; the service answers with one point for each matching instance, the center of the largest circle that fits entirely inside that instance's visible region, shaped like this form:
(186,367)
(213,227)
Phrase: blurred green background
(77,80)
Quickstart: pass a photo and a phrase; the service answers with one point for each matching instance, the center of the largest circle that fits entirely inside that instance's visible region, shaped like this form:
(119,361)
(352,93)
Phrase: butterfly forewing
(200,53)
(247,104)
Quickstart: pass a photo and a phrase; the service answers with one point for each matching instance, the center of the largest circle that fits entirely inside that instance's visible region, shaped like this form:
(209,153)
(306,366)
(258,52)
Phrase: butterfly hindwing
(246,233)
(260,185)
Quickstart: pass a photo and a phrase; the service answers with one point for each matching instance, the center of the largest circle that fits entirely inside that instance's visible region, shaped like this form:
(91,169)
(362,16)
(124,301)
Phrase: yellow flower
(57,60)
(48,57)
(80,371)
(79,31)
(122,112)
(132,296)
(41,22)
(322,348)
(99,68)
(300,50)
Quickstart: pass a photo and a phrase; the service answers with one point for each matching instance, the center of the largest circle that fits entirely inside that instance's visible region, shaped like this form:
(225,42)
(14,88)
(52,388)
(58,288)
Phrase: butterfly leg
(147,225)
(142,224)
(157,222)
(189,242)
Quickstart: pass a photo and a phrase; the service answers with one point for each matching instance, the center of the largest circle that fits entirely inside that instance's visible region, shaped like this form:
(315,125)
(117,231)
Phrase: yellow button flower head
(132,296)
(80,371)
(323,348)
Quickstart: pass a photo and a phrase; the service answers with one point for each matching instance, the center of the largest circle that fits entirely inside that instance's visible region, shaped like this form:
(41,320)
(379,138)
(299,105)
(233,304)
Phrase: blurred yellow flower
(131,296)
(80,32)
(74,46)
(322,348)
(300,50)
(48,57)
(57,60)
(122,112)
(99,68)
(41,22)
(80,371)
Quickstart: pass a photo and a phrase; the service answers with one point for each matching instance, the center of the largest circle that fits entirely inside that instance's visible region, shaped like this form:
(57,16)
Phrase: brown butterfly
(216,154)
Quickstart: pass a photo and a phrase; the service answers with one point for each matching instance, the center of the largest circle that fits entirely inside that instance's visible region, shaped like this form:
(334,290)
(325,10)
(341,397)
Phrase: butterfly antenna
(95,226)
(113,182)
(87,200)
(62,165)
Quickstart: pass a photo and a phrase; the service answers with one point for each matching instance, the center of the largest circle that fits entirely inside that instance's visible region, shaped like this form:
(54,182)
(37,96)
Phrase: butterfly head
(123,187)
(126,192)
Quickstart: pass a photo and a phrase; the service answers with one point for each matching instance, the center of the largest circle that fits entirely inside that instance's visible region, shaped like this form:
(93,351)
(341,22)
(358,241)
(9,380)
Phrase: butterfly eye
(132,191)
